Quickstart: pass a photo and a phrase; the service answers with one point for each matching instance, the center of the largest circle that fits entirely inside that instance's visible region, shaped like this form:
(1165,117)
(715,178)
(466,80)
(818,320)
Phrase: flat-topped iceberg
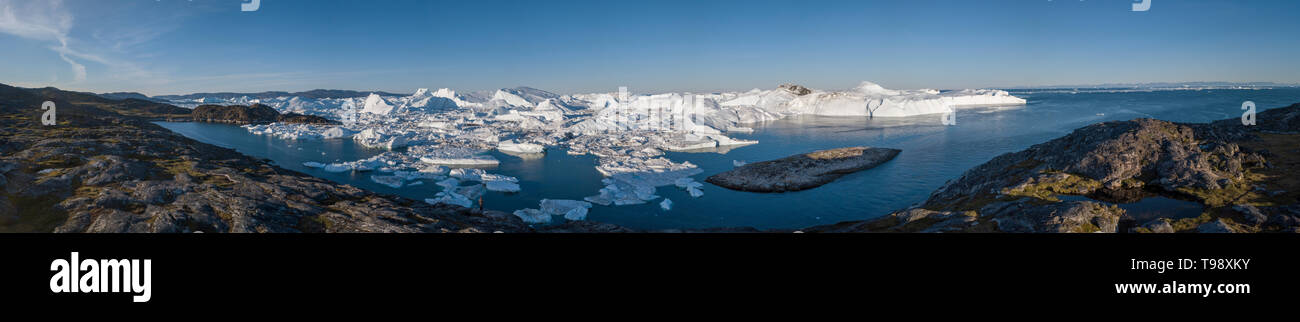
(870,99)
(522,148)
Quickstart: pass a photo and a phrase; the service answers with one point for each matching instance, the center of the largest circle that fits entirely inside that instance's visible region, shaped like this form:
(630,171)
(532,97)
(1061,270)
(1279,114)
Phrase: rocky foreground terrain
(106,168)
(802,171)
(1246,177)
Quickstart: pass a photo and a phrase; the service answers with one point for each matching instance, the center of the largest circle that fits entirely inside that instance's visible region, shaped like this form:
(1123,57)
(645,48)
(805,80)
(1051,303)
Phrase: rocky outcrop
(235,114)
(255,114)
(803,171)
(296,118)
(797,90)
(1243,175)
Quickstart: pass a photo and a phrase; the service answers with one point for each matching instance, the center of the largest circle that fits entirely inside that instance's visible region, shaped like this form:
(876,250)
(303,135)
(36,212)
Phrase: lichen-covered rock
(1241,174)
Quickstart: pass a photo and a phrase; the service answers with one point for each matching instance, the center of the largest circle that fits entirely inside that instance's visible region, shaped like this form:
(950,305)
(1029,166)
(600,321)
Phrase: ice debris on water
(627,132)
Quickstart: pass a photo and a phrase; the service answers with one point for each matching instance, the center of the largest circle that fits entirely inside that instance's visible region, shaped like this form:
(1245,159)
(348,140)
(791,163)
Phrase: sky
(162,47)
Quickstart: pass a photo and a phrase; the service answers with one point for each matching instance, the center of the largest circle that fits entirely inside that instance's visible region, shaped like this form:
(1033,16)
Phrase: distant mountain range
(1162,85)
(312,94)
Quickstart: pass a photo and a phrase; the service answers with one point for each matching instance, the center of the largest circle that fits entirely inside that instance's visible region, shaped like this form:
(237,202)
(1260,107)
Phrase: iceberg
(450,198)
(561,206)
(376,105)
(337,132)
(533,216)
(467,174)
(512,147)
(666,204)
(502,186)
(447,185)
(576,214)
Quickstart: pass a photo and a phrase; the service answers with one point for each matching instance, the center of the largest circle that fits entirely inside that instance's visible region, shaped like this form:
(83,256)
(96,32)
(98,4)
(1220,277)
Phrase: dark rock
(803,171)
(1159,226)
(235,114)
(1024,216)
(796,89)
(1250,214)
(1217,226)
(296,118)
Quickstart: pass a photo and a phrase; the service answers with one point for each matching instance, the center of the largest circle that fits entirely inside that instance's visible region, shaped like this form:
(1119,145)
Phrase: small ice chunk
(666,204)
(337,132)
(738,163)
(473,192)
(313,165)
(417,183)
(467,174)
(695,192)
(488,177)
(502,186)
(435,169)
(511,146)
(561,207)
(338,167)
(450,198)
(391,181)
(448,184)
(533,216)
(576,214)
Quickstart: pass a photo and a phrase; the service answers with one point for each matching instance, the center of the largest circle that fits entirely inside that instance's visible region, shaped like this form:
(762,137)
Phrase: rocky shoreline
(1244,176)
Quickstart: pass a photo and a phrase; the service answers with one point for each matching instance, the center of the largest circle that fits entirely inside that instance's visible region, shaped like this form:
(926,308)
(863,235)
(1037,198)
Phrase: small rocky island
(802,171)
(255,114)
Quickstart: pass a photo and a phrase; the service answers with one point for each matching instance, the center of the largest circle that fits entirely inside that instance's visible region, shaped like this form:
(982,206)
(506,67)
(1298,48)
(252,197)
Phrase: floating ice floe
(666,204)
(511,146)
(454,156)
(570,209)
(691,186)
(391,181)
(337,132)
(533,216)
(502,186)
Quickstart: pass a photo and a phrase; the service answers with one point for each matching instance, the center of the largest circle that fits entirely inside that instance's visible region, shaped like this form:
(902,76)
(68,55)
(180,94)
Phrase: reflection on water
(932,154)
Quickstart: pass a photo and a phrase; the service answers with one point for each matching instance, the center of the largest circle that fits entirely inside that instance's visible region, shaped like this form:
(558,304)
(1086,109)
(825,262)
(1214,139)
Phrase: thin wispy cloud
(43,21)
(52,21)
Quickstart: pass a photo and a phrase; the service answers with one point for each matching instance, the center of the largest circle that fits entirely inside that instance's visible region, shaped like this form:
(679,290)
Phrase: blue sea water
(932,154)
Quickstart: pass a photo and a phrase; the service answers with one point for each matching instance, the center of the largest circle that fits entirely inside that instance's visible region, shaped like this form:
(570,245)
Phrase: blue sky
(180,46)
